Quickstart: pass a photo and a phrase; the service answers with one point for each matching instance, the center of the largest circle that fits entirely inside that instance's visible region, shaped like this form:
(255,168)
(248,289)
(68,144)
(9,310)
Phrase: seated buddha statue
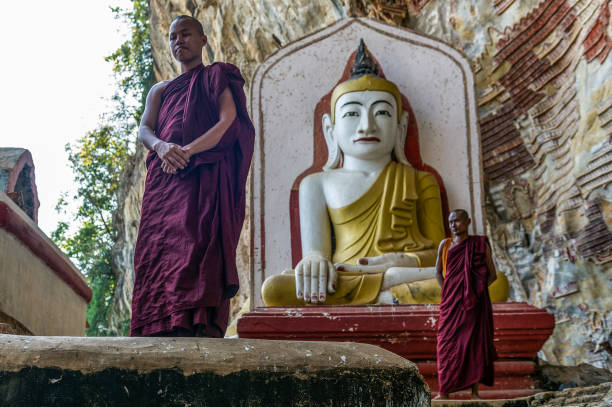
(385,215)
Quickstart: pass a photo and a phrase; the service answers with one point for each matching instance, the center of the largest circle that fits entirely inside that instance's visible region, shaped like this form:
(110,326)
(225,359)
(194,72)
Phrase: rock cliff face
(126,220)
(545,107)
(542,72)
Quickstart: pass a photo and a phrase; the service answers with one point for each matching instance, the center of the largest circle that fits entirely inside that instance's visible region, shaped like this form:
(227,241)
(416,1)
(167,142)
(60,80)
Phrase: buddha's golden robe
(400,212)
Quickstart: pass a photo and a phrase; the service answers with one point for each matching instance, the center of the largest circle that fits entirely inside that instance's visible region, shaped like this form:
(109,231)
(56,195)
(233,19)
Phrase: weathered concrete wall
(545,105)
(203,372)
(31,291)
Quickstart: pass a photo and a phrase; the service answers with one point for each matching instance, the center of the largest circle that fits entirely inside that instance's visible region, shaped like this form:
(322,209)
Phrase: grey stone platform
(589,396)
(72,371)
(519,402)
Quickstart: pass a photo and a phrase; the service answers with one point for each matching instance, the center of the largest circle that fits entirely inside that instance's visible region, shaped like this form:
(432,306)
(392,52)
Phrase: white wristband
(155,145)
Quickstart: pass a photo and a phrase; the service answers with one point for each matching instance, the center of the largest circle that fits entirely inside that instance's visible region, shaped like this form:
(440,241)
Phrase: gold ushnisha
(364,76)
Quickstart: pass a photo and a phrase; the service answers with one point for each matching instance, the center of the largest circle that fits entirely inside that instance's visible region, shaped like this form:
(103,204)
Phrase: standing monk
(464,269)
(201,141)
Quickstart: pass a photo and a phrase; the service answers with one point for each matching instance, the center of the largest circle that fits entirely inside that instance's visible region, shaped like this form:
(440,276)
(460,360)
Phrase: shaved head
(462,213)
(192,20)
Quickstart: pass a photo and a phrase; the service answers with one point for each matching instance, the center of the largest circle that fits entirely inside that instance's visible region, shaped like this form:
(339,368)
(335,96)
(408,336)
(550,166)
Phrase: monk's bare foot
(475,395)
(441,397)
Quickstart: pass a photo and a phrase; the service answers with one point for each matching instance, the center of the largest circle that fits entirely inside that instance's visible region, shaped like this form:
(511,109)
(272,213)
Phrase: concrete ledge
(70,371)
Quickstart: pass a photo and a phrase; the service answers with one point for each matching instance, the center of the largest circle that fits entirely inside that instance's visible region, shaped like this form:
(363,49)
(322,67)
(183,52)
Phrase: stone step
(520,329)
(492,394)
(73,371)
(513,378)
(521,402)
(591,396)
(410,331)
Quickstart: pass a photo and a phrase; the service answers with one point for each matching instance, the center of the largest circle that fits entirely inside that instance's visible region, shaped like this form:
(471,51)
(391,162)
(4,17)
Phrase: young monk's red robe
(185,254)
(465,327)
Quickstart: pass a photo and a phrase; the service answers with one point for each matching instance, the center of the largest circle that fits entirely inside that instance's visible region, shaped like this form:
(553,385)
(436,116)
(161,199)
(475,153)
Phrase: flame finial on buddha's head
(364,76)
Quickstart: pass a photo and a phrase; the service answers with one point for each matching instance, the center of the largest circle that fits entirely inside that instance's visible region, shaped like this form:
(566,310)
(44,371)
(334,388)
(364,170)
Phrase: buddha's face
(366,124)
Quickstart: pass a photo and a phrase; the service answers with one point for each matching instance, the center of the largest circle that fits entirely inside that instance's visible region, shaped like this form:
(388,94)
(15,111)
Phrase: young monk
(201,141)
(464,270)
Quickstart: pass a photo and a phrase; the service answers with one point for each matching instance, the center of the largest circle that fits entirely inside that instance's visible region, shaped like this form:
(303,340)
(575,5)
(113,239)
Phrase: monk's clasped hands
(173,156)
(315,276)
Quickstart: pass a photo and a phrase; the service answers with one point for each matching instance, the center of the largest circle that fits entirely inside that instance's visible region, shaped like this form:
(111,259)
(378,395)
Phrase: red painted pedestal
(410,331)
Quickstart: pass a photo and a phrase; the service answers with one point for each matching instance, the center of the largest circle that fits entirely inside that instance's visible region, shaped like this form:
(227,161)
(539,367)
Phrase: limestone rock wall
(542,71)
(545,96)
(126,220)
(545,105)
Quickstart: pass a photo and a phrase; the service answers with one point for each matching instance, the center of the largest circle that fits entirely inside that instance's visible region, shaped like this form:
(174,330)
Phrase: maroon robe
(465,327)
(185,254)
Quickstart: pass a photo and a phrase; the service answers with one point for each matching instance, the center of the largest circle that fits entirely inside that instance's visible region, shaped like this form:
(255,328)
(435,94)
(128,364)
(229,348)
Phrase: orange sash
(447,244)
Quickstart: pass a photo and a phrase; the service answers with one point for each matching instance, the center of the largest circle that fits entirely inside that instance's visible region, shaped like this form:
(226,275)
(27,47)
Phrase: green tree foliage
(98,161)
(133,62)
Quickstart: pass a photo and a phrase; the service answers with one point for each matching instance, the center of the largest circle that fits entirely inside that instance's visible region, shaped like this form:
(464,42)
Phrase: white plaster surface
(436,79)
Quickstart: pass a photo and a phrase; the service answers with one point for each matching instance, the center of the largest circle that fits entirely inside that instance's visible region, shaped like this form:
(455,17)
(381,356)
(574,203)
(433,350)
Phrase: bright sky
(55,83)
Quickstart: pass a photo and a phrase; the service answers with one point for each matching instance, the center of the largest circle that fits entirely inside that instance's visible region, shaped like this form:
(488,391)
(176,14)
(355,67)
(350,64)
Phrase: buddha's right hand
(313,275)
(380,264)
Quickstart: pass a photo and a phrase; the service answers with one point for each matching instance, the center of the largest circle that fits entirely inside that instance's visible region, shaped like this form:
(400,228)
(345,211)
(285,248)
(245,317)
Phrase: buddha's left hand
(380,264)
